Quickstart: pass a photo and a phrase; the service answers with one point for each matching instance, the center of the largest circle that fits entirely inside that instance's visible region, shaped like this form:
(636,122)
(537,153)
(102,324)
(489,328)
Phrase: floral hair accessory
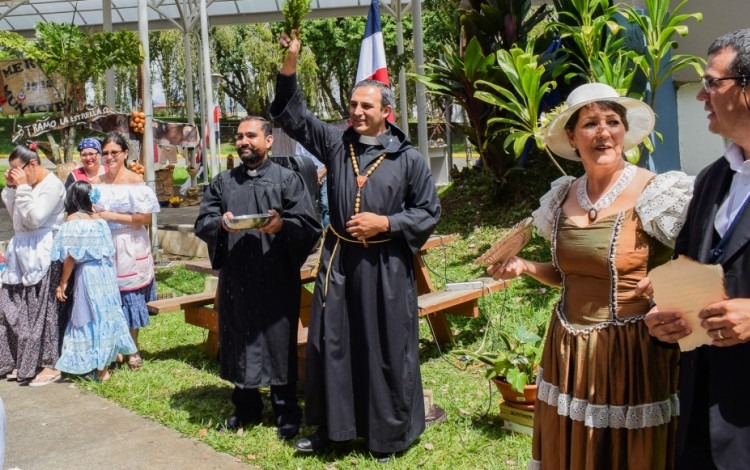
(95,195)
(32,146)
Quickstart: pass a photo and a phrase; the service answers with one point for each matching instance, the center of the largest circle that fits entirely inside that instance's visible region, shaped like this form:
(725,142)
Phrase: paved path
(61,426)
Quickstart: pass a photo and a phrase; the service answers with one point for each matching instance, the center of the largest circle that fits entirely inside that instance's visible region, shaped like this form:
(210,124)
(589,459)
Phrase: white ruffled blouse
(37,214)
(135,198)
(662,206)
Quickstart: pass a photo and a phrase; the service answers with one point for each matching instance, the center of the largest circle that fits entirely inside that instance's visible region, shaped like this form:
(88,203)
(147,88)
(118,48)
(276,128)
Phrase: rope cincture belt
(354,240)
(335,251)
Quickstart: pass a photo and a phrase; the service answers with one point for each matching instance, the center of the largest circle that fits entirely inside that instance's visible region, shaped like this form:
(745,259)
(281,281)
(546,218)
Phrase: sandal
(95,376)
(12,375)
(45,379)
(117,363)
(135,361)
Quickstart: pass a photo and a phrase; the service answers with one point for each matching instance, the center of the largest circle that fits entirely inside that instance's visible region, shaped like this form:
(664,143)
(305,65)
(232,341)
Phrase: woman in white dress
(126,204)
(30,320)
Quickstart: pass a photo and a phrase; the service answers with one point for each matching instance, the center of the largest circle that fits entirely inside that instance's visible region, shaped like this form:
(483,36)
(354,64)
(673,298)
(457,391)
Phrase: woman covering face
(29,312)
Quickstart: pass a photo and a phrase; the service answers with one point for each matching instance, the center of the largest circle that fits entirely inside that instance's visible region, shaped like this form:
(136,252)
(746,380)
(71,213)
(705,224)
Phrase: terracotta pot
(524,401)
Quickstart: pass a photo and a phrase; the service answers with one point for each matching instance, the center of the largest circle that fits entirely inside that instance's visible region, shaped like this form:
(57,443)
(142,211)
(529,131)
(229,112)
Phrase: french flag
(372,64)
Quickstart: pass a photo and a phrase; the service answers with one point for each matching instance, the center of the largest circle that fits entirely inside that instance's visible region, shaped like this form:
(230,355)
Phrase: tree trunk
(68,139)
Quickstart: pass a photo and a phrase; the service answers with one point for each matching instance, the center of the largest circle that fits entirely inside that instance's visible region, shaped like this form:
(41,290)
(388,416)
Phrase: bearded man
(259,276)
(362,375)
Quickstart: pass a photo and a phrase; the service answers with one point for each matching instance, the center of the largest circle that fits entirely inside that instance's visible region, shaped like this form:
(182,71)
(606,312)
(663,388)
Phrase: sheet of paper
(688,286)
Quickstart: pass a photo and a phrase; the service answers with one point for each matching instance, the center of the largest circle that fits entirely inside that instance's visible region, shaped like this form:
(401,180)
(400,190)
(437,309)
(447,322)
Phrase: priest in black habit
(259,276)
(362,376)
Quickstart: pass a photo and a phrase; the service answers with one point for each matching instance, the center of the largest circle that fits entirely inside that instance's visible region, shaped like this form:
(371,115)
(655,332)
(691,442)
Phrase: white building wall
(698,146)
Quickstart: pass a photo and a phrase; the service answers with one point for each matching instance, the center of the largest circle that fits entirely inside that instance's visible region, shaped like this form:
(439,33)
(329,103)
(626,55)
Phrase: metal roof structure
(21,15)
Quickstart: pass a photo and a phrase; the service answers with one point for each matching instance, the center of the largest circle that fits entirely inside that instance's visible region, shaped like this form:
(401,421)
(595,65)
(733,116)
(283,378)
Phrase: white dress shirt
(738,192)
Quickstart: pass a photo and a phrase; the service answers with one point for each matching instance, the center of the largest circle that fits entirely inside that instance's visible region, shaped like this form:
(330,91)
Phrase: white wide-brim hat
(639,114)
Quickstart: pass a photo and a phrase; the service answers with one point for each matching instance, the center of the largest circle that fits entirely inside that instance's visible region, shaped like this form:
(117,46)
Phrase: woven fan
(508,246)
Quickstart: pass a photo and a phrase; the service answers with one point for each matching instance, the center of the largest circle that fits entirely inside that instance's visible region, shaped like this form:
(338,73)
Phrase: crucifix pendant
(361,180)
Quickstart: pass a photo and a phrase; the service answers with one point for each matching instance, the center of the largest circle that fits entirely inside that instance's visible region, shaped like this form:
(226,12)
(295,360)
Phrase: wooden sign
(53,123)
(24,88)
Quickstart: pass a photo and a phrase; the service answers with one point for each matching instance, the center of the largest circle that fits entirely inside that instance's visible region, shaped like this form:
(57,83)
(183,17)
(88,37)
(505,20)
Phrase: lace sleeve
(663,205)
(548,204)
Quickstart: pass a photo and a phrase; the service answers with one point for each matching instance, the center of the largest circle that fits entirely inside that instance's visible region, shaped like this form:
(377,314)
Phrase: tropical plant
(67,52)
(517,362)
(487,27)
(589,30)
(521,101)
(659,27)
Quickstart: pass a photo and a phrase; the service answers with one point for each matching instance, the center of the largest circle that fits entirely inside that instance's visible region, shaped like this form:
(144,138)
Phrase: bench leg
(440,328)
(212,344)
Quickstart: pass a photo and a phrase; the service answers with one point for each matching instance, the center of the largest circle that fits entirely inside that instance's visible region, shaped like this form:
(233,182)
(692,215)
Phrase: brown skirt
(607,398)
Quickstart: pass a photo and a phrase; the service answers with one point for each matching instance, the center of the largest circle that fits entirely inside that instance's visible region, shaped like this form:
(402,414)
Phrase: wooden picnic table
(202,309)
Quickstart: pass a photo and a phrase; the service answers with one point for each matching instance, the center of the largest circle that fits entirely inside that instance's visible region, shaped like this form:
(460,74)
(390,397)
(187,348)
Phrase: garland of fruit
(138,121)
(136,167)
(137,124)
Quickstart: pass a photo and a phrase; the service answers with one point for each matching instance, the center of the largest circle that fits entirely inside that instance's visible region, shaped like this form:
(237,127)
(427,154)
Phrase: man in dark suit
(714,426)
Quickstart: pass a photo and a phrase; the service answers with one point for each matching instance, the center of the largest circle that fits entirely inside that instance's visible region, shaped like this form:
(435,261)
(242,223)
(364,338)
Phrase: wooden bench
(433,303)
(198,313)
(465,302)
(184,302)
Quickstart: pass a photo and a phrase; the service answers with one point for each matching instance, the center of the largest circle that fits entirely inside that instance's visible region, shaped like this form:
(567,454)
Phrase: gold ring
(721,336)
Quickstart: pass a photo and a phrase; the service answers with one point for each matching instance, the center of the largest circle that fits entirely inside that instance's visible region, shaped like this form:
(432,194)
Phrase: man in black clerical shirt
(259,276)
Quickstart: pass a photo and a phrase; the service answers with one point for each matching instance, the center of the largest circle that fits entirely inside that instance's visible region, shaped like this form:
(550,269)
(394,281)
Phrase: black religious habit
(259,274)
(362,376)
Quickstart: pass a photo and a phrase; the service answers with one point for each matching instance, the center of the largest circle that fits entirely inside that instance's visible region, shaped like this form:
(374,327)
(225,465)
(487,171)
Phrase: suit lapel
(713,202)
(739,238)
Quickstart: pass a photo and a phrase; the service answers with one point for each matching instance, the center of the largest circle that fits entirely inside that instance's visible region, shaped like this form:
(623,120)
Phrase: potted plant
(513,369)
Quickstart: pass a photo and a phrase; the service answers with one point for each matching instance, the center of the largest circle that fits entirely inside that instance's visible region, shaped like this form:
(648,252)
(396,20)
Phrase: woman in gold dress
(607,391)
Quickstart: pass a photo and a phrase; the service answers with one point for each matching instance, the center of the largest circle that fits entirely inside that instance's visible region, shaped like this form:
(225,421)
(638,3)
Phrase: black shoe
(383,458)
(234,423)
(316,441)
(287,432)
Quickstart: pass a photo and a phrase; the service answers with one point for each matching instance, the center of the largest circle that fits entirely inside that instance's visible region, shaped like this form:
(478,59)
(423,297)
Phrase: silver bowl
(243,222)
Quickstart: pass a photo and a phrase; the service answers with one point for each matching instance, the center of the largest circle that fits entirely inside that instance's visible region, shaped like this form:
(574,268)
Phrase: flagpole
(403,104)
(416,14)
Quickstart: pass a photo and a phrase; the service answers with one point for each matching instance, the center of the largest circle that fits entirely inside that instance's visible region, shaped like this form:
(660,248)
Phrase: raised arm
(292,46)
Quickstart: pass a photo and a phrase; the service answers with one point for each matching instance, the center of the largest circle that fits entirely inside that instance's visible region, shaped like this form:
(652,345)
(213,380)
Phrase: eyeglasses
(709,84)
(113,153)
(89,154)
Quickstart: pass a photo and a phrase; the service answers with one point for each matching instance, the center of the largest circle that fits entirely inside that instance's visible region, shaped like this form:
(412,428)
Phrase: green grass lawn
(179,385)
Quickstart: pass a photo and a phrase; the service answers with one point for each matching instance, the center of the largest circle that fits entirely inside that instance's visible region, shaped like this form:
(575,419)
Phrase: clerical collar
(369,140)
(258,170)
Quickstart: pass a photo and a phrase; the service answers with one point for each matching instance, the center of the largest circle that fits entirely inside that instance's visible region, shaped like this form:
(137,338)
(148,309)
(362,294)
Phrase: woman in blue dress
(97,331)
